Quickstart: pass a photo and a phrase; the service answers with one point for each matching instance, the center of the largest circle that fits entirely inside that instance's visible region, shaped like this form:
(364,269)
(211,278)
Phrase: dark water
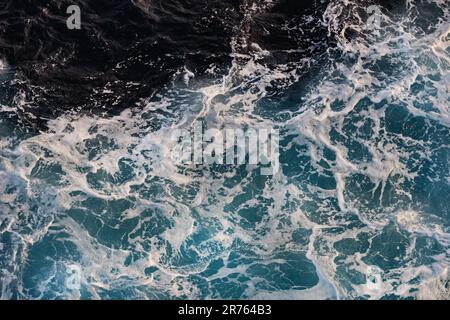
(360,206)
(132,47)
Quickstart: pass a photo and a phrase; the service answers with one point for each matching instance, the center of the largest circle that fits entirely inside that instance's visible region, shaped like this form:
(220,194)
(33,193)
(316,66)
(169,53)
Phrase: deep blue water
(359,209)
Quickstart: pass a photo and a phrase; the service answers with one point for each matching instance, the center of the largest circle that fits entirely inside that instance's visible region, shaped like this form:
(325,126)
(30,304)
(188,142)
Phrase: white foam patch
(87,145)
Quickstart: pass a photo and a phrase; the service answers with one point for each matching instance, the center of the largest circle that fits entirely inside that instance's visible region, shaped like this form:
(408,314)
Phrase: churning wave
(360,207)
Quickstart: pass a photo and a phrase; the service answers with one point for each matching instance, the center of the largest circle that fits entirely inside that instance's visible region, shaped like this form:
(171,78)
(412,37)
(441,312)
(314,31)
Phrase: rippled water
(360,207)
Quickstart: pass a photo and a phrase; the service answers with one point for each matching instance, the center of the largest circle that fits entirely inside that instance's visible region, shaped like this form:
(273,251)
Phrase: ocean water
(359,208)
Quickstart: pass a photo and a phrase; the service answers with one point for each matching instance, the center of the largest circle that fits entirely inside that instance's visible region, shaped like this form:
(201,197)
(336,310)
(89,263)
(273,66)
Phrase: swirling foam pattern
(360,208)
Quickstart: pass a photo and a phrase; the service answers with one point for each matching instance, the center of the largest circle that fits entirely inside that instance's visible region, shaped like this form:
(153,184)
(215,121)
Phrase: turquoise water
(360,208)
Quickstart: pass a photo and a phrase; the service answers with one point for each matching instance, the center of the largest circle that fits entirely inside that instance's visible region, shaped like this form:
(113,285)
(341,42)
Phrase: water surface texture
(360,208)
